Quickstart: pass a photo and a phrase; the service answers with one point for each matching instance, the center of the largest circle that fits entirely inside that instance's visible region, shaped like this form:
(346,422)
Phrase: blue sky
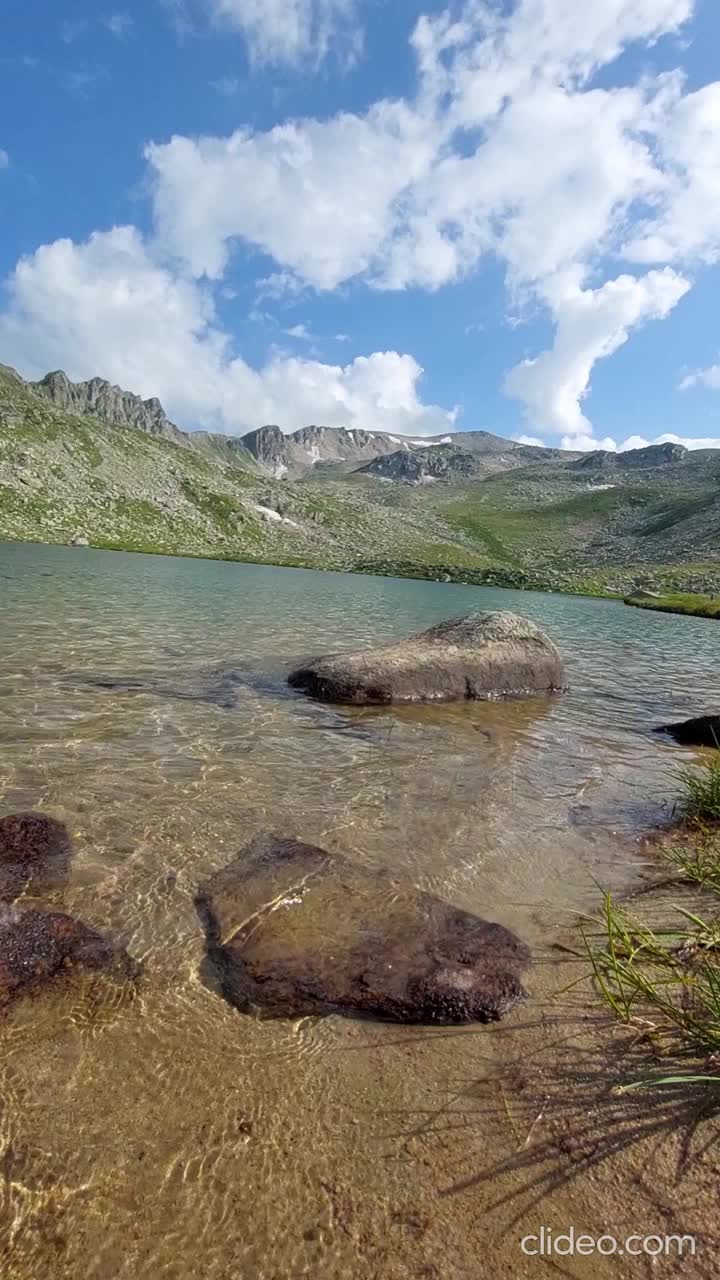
(378,213)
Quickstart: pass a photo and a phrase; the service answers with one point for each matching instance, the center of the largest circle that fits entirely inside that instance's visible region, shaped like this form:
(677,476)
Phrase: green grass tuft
(666,981)
(701,793)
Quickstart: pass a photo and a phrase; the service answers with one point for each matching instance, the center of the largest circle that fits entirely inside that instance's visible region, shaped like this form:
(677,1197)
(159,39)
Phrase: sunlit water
(143,703)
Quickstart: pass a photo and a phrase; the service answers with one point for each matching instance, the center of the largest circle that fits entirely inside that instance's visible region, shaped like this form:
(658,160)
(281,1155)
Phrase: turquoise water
(143,702)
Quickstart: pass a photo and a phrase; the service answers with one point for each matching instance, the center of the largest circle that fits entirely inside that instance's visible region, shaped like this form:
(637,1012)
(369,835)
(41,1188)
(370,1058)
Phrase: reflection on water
(142,702)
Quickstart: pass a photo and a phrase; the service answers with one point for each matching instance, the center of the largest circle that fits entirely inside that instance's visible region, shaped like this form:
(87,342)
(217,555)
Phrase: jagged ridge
(275,452)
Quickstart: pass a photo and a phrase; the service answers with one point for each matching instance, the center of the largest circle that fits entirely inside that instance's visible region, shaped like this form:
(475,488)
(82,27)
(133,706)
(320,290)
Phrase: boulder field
(480,656)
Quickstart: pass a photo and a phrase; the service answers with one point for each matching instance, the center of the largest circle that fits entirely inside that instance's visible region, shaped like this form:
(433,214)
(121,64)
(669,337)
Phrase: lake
(143,703)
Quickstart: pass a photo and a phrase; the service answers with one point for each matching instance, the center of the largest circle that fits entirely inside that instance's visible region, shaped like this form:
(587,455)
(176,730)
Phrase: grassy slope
(698,606)
(61,474)
(544,526)
(658,528)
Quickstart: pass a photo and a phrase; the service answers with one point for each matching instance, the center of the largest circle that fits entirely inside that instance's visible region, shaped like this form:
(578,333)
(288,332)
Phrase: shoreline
(461,579)
(689,605)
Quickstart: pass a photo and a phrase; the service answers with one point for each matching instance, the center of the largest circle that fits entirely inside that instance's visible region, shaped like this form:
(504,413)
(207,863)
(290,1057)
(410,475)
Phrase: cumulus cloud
(293,31)
(507,146)
(316,196)
(396,194)
(414,193)
(107,307)
(686,223)
(591,325)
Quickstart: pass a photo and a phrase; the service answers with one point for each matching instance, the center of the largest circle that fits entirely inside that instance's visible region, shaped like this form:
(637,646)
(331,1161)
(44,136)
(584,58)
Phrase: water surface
(142,702)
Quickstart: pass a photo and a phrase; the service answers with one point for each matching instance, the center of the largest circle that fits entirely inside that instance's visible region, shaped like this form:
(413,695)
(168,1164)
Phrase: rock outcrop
(299,452)
(456,459)
(422,466)
(484,655)
(38,949)
(35,852)
(103,400)
(651,455)
(704,731)
(292,930)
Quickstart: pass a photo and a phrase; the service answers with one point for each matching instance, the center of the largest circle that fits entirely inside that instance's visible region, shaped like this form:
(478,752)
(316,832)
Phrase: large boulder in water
(484,655)
(292,930)
(701,732)
(35,853)
(38,948)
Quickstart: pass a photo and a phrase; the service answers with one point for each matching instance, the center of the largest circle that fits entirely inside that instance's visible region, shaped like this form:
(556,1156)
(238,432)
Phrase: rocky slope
(65,477)
(276,453)
(112,404)
(653,455)
(452,462)
(302,451)
(494,511)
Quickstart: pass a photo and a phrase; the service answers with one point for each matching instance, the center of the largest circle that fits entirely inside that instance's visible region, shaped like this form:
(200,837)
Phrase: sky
(399,215)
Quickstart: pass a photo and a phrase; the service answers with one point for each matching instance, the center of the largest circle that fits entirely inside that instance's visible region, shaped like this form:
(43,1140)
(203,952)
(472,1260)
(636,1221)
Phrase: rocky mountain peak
(104,400)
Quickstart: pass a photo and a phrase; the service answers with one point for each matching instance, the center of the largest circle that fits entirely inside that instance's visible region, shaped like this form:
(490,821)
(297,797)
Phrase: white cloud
(4,159)
(686,224)
(316,196)
(535,441)
(397,195)
(690,442)
(120,25)
(293,31)
(591,325)
(709,378)
(414,193)
(106,307)
(507,147)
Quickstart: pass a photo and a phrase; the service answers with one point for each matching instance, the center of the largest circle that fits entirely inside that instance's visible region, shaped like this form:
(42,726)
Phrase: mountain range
(91,462)
(278,453)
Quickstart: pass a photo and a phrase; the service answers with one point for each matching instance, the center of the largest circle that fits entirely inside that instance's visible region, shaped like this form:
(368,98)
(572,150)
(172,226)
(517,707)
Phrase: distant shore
(494,576)
(694,605)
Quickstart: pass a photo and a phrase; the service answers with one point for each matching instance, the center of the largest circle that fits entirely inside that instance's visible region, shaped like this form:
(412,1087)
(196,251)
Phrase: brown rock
(38,948)
(292,930)
(35,852)
(484,655)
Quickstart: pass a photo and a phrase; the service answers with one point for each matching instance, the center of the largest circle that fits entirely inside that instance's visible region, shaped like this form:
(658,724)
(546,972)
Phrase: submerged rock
(35,853)
(701,732)
(38,948)
(484,655)
(292,930)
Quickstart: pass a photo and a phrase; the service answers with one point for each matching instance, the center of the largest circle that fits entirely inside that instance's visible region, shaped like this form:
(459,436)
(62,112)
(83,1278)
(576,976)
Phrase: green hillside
(65,477)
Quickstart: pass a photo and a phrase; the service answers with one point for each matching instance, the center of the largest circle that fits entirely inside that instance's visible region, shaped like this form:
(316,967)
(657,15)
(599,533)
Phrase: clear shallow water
(142,702)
